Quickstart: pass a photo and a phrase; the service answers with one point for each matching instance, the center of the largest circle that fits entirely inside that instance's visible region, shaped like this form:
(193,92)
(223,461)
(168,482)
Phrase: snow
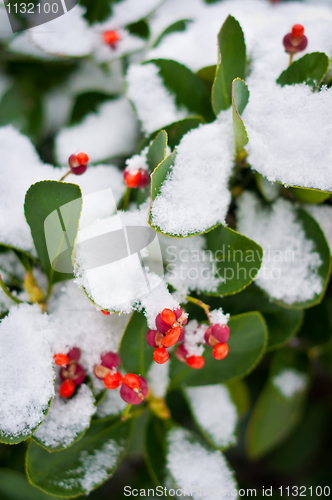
(195,195)
(154,103)
(323,216)
(195,469)
(289,128)
(90,77)
(111,404)
(67,419)
(290,266)
(214,412)
(111,131)
(217,317)
(80,324)
(290,382)
(137,162)
(94,467)
(22,44)
(194,338)
(5,302)
(130,11)
(158,379)
(26,369)
(67,35)
(189,266)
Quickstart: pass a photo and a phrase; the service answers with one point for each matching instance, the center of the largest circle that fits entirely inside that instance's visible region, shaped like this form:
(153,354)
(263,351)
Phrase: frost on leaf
(289,130)
(290,382)
(67,419)
(195,468)
(195,195)
(323,216)
(111,404)
(26,370)
(215,412)
(110,132)
(291,262)
(154,103)
(158,379)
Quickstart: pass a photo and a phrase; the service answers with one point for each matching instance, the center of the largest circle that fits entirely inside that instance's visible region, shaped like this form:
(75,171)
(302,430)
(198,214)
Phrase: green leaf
(269,190)
(316,329)
(15,486)
(139,28)
(232,62)
(135,353)
(25,258)
(178,129)
(240,98)
(83,466)
(155,448)
(240,394)
(86,103)
(65,201)
(238,259)
(247,344)
(305,195)
(160,173)
(177,26)
(310,69)
(188,88)
(275,414)
(157,150)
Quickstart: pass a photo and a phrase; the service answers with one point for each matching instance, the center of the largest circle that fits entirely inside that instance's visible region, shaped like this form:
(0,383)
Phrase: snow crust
(194,338)
(290,382)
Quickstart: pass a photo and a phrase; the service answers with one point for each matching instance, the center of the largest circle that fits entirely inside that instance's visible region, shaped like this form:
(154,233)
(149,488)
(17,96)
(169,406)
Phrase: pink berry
(110,360)
(79,375)
(151,338)
(181,353)
(144,179)
(181,338)
(161,326)
(73,371)
(216,334)
(178,312)
(293,44)
(74,354)
(75,163)
(130,396)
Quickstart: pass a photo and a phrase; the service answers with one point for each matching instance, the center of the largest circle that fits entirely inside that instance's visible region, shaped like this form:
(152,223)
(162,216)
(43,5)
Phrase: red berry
(132,381)
(144,179)
(107,313)
(111,38)
(196,362)
(74,372)
(162,327)
(171,337)
(134,397)
(110,360)
(74,354)
(168,316)
(220,351)
(160,355)
(151,338)
(82,158)
(67,388)
(132,179)
(113,380)
(298,30)
(61,359)
(181,353)
(72,161)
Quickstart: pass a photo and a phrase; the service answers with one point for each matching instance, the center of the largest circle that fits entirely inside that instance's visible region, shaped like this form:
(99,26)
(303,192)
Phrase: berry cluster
(111,38)
(136,178)
(169,331)
(296,41)
(72,373)
(78,163)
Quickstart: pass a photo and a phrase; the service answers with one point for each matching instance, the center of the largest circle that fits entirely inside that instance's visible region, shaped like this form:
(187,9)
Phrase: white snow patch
(67,419)
(194,338)
(195,195)
(217,316)
(111,404)
(26,369)
(323,216)
(158,379)
(129,11)
(290,266)
(215,412)
(290,381)
(195,468)
(154,103)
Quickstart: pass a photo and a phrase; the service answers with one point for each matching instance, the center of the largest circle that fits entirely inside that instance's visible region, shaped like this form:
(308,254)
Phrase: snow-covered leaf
(323,216)
(111,404)
(310,69)
(231,64)
(157,150)
(215,413)
(296,259)
(84,465)
(195,468)
(27,376)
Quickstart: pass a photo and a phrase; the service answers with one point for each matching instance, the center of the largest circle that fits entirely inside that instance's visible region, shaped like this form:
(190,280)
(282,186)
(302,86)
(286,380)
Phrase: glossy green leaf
(232,62)
(240,394)
(157,150)
(65,200)
(247,344)
(313,196)
(277,412)
(15,486)
(155,448)
(240,98)
(310,69)
(177,130)
(187,87)
(177,26)
(135,353)
(160,173)
(83,466)
(238,259)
